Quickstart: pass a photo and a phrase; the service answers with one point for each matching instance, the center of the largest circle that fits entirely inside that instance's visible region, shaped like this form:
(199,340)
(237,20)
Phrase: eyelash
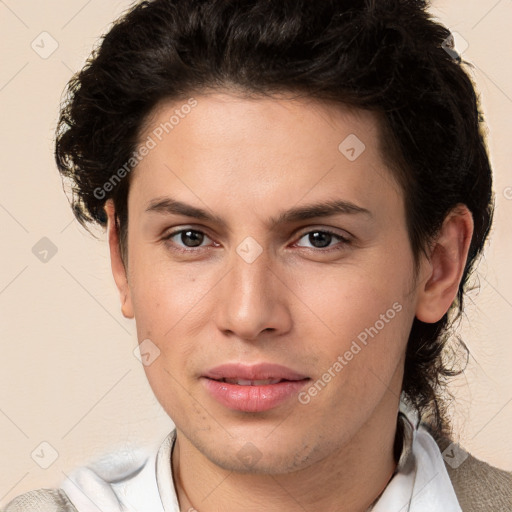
(344,241)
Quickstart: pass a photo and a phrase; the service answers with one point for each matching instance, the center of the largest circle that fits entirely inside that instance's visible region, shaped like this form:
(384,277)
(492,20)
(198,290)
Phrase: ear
(445,266)
(116,261)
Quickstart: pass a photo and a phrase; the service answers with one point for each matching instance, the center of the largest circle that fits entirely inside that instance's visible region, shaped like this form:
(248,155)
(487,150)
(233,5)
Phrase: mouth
(254,388)
(247,374)
(245,382)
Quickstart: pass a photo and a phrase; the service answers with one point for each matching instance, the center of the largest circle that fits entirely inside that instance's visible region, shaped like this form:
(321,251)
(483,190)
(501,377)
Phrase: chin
(254,450)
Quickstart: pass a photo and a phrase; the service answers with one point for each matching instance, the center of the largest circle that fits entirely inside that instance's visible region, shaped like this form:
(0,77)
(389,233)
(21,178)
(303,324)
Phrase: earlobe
(445,266)
(116,261)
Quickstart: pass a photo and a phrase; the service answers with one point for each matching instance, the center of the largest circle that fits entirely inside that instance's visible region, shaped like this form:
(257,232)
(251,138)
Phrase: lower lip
(253,398)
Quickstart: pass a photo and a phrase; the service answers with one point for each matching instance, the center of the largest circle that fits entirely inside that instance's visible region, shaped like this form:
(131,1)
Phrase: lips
(254,388)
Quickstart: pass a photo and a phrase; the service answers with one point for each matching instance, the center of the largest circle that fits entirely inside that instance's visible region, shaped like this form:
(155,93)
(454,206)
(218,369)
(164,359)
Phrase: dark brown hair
(388,56)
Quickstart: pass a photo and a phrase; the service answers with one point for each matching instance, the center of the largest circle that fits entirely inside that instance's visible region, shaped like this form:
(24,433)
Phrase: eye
(190,238)
(322,238)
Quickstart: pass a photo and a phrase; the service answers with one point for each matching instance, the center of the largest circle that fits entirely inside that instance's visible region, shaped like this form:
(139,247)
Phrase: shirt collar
(420,482)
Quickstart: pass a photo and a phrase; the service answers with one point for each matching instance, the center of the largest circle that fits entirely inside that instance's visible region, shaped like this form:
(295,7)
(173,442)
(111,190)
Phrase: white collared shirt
(144,483)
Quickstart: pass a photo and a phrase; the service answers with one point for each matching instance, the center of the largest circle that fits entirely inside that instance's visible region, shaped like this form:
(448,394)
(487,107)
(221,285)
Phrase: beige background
(68,374)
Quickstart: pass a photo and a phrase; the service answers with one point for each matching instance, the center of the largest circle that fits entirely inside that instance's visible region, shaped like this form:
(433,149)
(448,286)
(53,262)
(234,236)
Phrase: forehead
(268,148)
(242,116)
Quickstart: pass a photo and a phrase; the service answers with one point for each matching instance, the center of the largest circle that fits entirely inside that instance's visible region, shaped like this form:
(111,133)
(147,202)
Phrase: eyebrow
(170,206)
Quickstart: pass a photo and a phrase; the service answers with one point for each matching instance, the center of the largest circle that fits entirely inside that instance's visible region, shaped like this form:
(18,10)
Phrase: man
(295,195)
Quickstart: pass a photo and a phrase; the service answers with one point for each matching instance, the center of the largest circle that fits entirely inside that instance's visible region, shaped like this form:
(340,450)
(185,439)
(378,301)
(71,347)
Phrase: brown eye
(322,239)
(185,239)
(189,236)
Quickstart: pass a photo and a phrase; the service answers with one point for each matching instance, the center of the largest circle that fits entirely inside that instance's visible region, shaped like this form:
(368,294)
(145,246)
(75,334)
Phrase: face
(262,277)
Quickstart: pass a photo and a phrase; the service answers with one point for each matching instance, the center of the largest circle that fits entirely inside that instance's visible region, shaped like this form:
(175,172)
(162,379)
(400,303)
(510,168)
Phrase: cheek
(368,322)
(365,312)
(352,297)
(163,294)
(171,310)
(365,326)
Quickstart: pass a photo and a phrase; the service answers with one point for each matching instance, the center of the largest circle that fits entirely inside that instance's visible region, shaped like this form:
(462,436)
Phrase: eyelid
(325,229)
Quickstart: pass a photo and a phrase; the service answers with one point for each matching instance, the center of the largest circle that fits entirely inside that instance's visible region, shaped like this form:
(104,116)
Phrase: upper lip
(260,371)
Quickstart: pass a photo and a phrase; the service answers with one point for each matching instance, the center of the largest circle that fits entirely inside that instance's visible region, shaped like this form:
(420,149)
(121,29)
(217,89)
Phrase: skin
(297,304)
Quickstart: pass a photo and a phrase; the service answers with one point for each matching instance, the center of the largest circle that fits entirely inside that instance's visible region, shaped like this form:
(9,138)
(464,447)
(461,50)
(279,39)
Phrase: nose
(253,299)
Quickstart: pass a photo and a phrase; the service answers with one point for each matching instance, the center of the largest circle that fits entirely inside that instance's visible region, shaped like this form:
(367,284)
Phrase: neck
(350,479)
